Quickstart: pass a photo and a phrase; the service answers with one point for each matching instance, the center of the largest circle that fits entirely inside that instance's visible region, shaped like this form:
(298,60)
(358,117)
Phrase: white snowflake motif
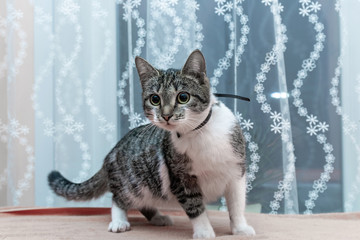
(173,2)
(229,54)
(267,2)
(254,168)
(97,12)
(313,195)
(320,186)
(308,64)
(325,176)
(128,7)
(223,6)
(217,73)
(250,176)
(260,77)
(330,158)
(278,196)
(247,124)
(277,8)
(220,10)
(69,8)
(70,126)
(224,63)
(13,14)
(328,169)
(245,30)
(290,148)
(285,124)
(328,148)
(253,147)
(318,46)
(265,67)
(135,117)
(304,12)
(312,119)
(319,27)
(302,74)
(241,49)
(276,127)
(309,204)
(108,127)
(261,98)
(238,116)
(315,55)
(265,107)
(49,129)
(271,58)
(337,6)
(248,185)
(247,136)
(255,157)
(259,88)
(315,6)
(333,91)
(321,138)
(275,205)
(323,127)
(285,186)
(298,102)
(16,130)
(307,6)
(320,37)
(313,18)
(296,93)
(24,130)
(275,116)
(335,101)
(311,130)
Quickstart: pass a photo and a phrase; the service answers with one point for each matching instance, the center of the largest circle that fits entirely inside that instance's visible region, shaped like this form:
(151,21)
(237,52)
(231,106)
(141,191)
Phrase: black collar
(205,121)
(201,124)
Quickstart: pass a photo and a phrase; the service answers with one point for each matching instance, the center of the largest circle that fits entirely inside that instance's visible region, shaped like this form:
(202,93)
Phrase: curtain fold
(69,90)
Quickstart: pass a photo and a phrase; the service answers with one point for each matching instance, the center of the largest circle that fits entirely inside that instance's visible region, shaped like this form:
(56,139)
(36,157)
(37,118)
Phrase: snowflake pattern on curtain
(12,132)
(350,126)
(247,53)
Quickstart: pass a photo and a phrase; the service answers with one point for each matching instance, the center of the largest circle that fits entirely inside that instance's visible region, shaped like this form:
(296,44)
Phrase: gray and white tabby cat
(192,153)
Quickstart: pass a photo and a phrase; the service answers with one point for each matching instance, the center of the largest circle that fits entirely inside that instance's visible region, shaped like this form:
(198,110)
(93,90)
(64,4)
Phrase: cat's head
(175,100)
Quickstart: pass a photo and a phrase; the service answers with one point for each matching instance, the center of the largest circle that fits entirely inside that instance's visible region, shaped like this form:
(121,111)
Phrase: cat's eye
(183,97)
(155,100)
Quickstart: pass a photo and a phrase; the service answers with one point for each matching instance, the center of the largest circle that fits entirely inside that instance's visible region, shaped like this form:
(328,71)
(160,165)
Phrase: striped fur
(152,166)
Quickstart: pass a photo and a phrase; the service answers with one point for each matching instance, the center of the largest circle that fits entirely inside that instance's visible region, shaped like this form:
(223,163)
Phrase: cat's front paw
(204,233)
(246,230)
(161,220)
(119,226)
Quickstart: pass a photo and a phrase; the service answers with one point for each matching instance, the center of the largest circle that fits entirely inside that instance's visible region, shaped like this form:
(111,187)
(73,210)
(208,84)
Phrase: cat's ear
(194,64)
(145,70)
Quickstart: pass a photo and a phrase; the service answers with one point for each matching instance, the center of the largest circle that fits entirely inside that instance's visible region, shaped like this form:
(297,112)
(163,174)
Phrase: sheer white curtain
(348,67)
(69,90)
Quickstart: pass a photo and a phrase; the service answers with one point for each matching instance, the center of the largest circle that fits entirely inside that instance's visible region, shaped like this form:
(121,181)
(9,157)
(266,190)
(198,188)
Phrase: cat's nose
(167,117)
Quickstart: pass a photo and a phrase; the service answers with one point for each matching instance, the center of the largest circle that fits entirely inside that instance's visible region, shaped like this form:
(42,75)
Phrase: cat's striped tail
(92,188)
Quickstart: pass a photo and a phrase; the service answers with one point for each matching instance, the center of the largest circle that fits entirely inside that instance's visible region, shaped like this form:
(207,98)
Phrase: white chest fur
(213,159)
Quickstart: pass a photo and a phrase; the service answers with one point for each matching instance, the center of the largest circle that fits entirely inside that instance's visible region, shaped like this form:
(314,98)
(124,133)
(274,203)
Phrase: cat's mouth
(167,125)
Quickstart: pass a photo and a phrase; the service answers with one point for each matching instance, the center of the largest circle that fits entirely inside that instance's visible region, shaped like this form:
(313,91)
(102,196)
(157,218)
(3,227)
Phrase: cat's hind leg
(119,221)
(155,217)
